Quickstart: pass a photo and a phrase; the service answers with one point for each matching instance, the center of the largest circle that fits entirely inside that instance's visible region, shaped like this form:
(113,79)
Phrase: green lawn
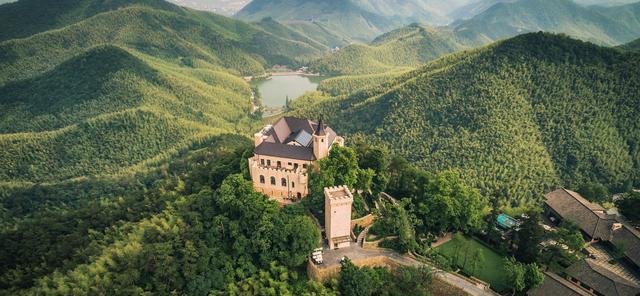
(490,270)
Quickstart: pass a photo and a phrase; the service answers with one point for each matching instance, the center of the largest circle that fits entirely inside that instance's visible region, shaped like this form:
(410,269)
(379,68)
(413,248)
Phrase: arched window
(279,164)
(273,180)
(284,182)
(293,184)
(262,179)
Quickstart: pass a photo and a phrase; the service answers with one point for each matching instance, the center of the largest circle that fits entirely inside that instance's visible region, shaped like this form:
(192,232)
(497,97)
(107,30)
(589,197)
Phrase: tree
(533,276)
(356,281)
(412,281)
(628,206)
(339,168)
(515,273)
(594,191)
(447,204)
(529,238)
(569,234)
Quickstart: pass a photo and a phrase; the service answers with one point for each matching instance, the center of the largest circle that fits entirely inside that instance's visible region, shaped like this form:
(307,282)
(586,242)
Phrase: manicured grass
(491,270)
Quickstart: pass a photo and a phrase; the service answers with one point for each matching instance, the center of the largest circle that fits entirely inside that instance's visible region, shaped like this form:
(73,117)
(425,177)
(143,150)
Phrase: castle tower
(337,216)
(320,142)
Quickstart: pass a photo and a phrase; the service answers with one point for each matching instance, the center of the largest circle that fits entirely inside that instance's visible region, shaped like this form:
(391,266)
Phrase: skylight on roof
(303,138)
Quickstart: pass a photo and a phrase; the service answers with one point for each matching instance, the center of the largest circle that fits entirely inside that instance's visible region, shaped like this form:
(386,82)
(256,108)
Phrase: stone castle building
(284,152)
(337,216)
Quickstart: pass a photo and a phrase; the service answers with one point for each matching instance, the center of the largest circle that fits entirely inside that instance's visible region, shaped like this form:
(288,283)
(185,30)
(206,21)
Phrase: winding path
(355,252)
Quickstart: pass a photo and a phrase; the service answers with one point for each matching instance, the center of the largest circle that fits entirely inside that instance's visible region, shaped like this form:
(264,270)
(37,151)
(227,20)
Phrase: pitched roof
(285,151)
(571,206)
(555,285)
(593,221)
(292,130)
(629,239)
(601,279)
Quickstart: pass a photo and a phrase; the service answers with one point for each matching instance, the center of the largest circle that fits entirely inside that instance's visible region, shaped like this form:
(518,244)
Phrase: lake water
(275,90)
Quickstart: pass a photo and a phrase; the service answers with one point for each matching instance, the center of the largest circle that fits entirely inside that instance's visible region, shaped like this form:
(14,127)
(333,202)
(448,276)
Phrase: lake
(274,91)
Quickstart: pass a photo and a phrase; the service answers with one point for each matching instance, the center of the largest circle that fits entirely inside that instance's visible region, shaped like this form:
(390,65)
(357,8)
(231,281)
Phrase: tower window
(284,182)
(293,184)
(269,162)
(273,180)
(262,161)
(261,179)
(279,164)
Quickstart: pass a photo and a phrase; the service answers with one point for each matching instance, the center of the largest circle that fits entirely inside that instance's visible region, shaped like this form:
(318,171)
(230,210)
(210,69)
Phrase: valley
(132,134)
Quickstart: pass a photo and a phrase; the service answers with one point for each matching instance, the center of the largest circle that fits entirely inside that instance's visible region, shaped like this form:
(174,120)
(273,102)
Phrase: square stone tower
(337,216)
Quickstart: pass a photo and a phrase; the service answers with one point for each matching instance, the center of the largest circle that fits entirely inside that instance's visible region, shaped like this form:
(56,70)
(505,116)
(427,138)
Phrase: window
(279,164)
(299,195)
(262,161)
(284,182)
(261,179)
(290,164)
(295,166)
(293,184)
(269,162)
(322,140)
(273,180)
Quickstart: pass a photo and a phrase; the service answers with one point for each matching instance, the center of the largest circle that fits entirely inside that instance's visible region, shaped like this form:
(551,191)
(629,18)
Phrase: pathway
(362,235)
(333,257)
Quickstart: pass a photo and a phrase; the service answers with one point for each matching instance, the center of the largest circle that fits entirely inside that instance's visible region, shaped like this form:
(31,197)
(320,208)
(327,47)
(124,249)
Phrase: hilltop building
(337,216)
(284,152)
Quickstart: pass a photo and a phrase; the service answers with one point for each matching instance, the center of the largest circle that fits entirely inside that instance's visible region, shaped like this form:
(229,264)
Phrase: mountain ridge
(510,116)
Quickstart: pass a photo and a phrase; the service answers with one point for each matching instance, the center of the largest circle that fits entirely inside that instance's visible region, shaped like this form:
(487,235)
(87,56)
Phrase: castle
(283,154)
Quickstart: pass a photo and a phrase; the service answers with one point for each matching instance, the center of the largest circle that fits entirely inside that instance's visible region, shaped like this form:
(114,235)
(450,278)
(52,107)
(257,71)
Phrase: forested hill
(357,20)
(415,44)
(518,117)
(607,26)
(27,17)
(120,85)
(180,35)
(633,45)
(410,46)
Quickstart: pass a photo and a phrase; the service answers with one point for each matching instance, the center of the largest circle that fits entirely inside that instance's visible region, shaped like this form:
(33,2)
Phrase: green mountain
(633,45)
(27,17)
(187,37)
(517,118)
(355,20)
(416,44)
(108,110)
(406,47)
(115,86)
(607,26)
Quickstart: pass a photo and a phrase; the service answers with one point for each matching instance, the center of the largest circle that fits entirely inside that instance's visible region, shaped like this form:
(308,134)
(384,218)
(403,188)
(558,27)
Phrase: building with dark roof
(596,278)
(555,285)
(594,222)
(284,151)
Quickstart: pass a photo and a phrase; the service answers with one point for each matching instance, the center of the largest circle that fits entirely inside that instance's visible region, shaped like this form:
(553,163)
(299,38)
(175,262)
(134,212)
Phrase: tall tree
(529,237)
(629,205)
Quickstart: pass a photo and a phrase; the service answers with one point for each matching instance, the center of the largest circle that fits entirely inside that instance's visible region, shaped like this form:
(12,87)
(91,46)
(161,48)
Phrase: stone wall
(322,274)
(363,222)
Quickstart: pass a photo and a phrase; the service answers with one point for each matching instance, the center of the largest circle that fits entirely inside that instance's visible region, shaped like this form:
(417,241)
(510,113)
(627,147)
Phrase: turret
(320,142)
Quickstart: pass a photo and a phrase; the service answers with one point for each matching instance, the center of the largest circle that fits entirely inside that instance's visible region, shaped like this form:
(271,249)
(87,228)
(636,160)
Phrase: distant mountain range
(359,20)
(478,21)
(224,7)
(416,44)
